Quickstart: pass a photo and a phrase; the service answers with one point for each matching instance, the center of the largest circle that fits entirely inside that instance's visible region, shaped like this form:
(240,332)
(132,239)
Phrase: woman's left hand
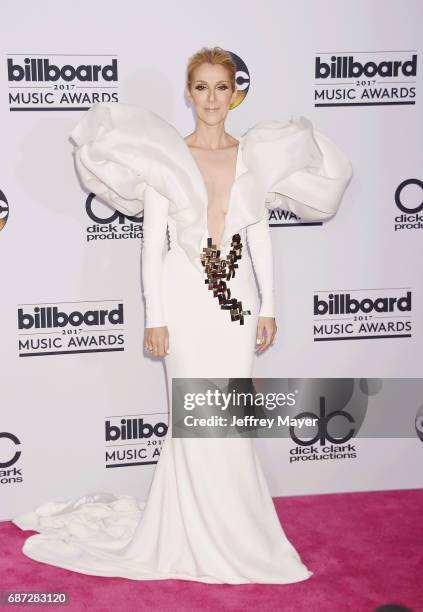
(266,331)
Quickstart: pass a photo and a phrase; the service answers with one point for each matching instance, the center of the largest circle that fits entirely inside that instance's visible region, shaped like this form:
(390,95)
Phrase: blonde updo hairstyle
(212,55)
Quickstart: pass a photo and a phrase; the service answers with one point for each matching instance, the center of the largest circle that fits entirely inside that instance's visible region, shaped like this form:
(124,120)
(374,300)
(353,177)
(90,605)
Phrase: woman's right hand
(156,341)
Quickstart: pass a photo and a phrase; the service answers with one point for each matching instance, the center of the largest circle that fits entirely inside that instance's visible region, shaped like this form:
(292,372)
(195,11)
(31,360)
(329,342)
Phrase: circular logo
(4,210)
(242,80)
(399,196)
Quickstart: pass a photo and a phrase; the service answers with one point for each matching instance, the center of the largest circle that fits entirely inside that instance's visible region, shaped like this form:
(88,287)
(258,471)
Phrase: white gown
(209,515)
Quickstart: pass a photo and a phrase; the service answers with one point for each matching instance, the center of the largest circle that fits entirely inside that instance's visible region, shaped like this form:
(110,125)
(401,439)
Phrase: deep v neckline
(206,195)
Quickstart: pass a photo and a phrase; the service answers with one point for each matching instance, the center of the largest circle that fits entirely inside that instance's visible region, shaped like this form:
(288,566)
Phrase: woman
(209,516)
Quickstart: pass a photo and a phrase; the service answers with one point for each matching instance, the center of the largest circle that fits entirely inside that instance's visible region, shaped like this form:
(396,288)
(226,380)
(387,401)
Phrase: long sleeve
(156,209)
(260,245)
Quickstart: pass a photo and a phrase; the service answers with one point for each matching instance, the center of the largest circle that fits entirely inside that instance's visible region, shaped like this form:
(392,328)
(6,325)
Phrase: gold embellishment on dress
(217,269)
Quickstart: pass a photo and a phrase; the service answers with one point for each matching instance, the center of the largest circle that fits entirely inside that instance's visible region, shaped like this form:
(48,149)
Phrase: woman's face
(211,93)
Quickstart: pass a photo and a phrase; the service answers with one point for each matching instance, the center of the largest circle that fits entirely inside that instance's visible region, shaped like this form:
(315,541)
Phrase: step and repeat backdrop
(74,375)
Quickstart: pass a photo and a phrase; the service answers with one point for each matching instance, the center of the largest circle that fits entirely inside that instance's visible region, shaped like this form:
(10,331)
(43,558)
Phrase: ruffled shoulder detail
(300,168)
(120,149)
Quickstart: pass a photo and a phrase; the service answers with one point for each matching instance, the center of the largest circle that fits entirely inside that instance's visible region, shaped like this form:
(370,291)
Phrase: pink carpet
(365,549)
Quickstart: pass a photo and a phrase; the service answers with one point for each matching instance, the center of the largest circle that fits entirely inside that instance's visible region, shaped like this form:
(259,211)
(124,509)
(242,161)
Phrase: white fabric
(120,149)
(209,516)
(156,211)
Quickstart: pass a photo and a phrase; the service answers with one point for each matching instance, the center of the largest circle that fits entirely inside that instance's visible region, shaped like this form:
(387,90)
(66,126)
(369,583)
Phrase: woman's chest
(218,171)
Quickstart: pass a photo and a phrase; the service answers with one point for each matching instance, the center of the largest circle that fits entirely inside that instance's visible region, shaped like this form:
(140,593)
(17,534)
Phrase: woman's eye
(200,87)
